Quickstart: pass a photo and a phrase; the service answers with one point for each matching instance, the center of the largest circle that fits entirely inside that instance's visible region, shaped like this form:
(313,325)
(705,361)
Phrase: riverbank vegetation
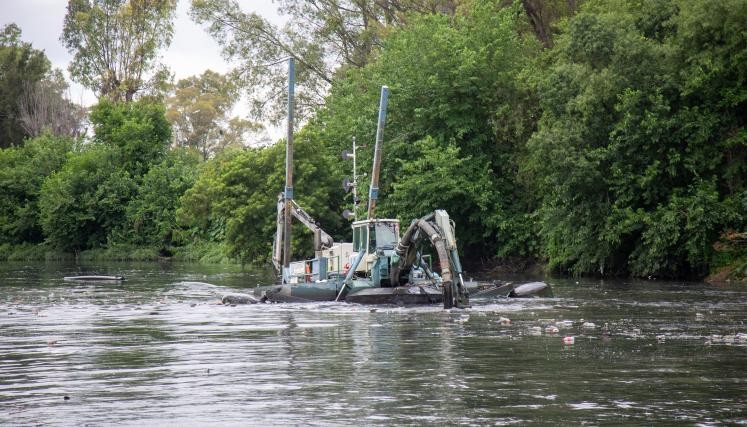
(596,137)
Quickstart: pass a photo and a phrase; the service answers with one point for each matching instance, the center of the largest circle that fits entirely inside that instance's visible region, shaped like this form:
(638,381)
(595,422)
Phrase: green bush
(22,173)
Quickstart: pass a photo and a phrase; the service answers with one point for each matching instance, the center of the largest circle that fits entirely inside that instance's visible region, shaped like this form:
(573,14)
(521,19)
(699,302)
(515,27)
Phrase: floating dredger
(381,265)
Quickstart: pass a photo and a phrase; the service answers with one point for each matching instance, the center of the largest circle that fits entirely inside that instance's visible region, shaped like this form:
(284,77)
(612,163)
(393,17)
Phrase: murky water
(158,350)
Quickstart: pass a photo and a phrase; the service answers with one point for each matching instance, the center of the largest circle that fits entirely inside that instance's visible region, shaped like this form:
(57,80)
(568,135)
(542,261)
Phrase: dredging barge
(379,266)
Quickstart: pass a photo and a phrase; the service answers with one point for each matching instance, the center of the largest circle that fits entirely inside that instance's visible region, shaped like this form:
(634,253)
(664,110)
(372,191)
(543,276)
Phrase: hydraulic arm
(437,229)
(322,240)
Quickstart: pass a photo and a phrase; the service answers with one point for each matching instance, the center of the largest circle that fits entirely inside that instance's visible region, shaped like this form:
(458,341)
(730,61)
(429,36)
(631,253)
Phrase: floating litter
(588,325)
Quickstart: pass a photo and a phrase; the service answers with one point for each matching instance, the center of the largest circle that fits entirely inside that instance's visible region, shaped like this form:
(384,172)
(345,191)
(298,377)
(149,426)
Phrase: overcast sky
(192,50)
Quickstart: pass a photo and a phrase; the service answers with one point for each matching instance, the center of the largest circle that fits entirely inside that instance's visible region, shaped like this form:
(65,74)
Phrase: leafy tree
(196,210)
(82,203)
(543,14)
(86,204)
(20,66)
(22,173)
(151,214)
(240,133)
(115,44)
(321,35)
(199,112)
(139,131)
(642,122)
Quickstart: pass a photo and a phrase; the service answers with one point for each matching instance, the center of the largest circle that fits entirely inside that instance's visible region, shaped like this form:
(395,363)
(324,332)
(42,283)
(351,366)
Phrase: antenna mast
(289,166)
(373,192)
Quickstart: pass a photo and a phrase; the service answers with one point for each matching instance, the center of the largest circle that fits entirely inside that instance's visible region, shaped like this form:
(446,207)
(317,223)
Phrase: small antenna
(348,185)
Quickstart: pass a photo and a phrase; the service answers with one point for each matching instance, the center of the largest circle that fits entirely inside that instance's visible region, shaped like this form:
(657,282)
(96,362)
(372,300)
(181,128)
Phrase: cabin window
(360,238)
(386,235)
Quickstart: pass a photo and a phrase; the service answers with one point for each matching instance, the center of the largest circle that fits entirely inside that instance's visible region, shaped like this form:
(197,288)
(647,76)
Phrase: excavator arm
(437,229)
(322,240)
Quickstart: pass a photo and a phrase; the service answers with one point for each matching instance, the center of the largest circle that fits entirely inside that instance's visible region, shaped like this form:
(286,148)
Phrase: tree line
(599,137)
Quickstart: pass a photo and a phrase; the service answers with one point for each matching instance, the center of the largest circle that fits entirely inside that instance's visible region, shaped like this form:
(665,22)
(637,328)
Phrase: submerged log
(239,299)
(95,278)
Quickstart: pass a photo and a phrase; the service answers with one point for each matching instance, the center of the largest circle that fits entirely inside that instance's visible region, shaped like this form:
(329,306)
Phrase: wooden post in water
(373,192)
(289,166)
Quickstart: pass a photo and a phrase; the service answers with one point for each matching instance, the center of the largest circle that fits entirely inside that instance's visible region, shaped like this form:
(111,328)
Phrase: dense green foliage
(610,141)
(640,152)
(22,173)
(81,204)
(151,214)
(453,135)
(236,196)
(123,188)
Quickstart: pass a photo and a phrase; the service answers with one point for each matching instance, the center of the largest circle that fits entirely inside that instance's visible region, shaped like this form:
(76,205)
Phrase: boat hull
(401,295)
(303,292)
(361,293)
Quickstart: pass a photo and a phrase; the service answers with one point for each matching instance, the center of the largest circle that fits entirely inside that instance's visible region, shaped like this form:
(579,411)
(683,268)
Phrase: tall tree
(116,42)
(199,111)
(20,66)
(44,107)
(235,195)
(322,35)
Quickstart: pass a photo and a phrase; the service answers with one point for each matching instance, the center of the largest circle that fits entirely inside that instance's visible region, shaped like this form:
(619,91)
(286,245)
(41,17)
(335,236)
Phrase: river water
(158,350)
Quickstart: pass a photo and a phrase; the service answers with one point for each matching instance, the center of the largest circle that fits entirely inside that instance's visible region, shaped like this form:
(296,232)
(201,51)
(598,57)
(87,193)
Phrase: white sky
(192,50)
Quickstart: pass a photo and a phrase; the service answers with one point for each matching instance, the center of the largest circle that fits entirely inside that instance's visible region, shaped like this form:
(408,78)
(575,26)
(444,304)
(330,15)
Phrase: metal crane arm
(435,228)
(322,240)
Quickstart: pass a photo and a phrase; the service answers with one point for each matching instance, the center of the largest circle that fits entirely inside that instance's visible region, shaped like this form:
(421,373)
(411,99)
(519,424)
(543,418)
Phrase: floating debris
(564,324)
(504,321)
(569,340)
(461,319)
(588,325)
(552,329)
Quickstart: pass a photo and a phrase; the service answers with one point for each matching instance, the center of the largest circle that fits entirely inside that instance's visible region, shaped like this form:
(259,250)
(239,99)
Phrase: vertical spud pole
(373,192)
(289,165)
